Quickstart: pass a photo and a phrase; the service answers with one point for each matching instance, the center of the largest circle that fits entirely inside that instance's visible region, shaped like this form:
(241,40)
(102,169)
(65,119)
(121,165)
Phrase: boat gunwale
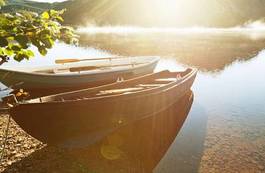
(154,60)
(141,93)
(100,87)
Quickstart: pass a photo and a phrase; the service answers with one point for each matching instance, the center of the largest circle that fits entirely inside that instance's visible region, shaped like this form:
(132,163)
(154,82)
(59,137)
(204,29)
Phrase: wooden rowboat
(91,72)
(67,116)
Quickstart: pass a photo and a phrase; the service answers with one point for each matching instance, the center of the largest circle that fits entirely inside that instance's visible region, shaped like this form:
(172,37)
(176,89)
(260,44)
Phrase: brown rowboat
(67,116)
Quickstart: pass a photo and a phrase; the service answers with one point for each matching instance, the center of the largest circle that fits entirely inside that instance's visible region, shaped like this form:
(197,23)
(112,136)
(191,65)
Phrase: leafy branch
(20,30)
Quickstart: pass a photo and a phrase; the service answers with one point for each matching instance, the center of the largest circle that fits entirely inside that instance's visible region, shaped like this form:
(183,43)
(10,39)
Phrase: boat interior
(84,65)
(84,69)
(96,64)
(121,87)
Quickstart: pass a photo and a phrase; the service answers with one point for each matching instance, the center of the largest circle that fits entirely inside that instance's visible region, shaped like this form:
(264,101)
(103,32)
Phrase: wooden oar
(87,68)
(71,60)
(84,68)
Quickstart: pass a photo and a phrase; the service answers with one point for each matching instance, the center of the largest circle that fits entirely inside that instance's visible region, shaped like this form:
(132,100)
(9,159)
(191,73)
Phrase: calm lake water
(225,127)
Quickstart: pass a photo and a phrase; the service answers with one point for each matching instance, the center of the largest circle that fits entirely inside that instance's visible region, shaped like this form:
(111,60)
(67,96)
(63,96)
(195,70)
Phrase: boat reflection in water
(139,146)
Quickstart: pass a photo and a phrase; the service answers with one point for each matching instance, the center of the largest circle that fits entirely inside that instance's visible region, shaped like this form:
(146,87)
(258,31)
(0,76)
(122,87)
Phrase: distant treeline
(213,13)
(14,5)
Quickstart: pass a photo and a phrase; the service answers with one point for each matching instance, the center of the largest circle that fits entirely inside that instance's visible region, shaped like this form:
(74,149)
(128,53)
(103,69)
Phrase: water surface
(225,129)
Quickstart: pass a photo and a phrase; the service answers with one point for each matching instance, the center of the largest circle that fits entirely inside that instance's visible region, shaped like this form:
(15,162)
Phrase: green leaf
(29,53)
(20,56)
(7,27)
(48,42)
(8,51)
(22,40)
(59,18)
(45,32)
(2,51)
(3,42)
(16,48)
(35,42)
(9,16)
(45,15)
(53,13)
(42,51)
(25,54)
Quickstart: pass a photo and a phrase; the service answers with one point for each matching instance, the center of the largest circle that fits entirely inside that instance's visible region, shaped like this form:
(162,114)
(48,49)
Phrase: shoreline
(19,144)
(25,154)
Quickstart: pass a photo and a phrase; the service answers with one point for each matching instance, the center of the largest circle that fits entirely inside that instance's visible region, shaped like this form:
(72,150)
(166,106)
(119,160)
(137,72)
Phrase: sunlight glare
(173,10)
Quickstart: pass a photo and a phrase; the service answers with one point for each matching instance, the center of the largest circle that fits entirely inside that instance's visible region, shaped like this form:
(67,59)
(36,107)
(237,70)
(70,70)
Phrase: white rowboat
(77,74)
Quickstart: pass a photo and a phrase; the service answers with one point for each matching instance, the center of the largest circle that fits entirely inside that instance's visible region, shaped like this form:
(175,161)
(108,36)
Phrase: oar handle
(62,61)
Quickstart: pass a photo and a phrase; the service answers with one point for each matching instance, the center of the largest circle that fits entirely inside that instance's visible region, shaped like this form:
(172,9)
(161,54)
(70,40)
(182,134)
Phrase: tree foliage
(22,29)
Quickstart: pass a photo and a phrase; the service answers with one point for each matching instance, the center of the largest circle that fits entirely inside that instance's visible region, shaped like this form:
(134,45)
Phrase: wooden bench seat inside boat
(166,80)
(119,91)
(150,85)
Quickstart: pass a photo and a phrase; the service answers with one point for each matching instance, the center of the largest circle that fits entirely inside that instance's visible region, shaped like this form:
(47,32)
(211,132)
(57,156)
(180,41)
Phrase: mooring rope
(5,139)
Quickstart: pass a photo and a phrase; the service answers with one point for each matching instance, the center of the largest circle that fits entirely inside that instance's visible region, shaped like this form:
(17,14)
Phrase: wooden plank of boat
(150,85)
(164,125)
(81,74)
(119,91)
(56,118)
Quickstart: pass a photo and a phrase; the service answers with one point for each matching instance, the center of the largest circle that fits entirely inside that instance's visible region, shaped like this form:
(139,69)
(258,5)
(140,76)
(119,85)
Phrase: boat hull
(35,81)
(55,123)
